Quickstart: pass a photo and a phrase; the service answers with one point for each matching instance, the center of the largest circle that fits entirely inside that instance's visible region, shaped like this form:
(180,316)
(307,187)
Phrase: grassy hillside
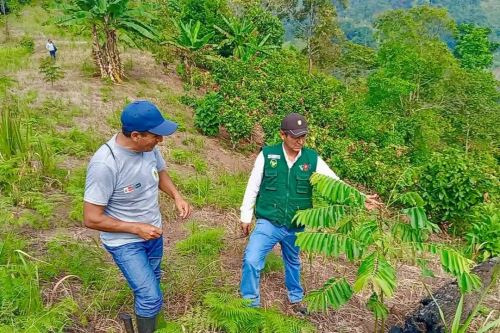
(54,274)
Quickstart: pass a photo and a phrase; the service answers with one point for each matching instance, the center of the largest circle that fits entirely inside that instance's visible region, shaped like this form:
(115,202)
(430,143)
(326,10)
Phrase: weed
(186,157)
(14,136)
(207,242)
(13,58)
(128,65)
(28,43)
(9,243)
(113,119)
(5,83)
(76,142)
(232,314)
(75,188)
(85,260)
(195,269)
(88,69)
(106,92)
(274,263)
(233,186)
(21,305)
(204,190)
(196,143)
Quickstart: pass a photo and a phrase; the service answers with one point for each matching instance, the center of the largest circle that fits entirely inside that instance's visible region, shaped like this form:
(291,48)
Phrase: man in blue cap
(121,201)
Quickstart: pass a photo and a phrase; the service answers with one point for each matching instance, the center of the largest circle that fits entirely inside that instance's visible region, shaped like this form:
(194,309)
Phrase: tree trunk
(97,54)
(426,318)
(115,69)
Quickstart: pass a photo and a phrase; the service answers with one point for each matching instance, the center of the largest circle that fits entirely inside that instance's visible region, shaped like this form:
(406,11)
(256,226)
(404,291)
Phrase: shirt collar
(288,160)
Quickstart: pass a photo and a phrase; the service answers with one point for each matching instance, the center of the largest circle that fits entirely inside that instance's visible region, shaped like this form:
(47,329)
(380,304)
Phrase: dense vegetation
(402,103)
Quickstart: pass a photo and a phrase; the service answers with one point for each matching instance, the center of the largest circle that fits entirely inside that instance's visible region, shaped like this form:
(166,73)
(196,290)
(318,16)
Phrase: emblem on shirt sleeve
(304,167)
(273,163)
(154,172)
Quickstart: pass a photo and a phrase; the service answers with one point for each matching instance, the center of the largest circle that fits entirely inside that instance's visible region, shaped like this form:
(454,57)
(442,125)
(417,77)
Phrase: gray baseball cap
(294,124)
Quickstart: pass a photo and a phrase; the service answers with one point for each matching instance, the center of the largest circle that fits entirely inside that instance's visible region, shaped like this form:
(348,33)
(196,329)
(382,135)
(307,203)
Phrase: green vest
(283,191)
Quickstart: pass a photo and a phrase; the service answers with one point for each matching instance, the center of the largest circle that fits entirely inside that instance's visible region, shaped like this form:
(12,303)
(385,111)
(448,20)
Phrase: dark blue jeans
(140,264)
(53,54)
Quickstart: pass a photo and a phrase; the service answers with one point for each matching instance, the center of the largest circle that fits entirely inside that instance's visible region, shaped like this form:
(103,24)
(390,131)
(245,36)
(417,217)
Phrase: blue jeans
(262,240)
(140,264)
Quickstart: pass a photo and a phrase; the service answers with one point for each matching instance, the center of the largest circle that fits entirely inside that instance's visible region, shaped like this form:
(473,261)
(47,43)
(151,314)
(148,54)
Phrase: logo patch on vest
(131,188)
(273,156)
(304,167)
(273,163)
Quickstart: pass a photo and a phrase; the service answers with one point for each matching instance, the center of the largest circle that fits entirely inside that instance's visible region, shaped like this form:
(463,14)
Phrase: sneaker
(300,309)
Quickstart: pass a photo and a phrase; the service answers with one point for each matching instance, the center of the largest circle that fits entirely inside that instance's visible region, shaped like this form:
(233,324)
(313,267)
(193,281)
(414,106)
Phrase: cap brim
(298,132)
(166,128)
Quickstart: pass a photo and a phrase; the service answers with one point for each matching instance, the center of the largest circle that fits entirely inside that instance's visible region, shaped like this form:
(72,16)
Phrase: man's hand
(147,231)
(372,202)
(245,228)
(183,207)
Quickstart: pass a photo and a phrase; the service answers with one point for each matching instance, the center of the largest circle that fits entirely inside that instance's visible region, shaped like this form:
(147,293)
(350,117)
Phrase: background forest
(402,101)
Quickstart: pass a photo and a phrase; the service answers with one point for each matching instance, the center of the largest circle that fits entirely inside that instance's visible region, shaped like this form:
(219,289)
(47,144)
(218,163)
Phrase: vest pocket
(271,178)
(303,185)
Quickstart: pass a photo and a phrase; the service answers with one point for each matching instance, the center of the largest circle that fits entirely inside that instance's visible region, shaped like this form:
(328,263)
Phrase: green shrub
(237,123)
(266,24)
(483,231)
(451,183)
(203,242)
(28,43)
(207,114)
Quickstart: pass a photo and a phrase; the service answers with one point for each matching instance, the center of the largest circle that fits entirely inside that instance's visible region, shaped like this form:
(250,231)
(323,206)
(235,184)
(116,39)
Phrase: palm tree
(108,21)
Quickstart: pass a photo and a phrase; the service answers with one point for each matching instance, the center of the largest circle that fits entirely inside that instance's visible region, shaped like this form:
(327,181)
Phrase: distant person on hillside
(121,200)
(52,49)
(278,187)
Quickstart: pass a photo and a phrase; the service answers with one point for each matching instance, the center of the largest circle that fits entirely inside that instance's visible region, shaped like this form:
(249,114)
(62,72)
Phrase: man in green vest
(278,187)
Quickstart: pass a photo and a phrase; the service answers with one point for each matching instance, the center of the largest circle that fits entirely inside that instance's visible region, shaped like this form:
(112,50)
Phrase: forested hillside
(401,101)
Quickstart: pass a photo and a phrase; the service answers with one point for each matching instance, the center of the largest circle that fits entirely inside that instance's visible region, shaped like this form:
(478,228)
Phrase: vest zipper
(287,191)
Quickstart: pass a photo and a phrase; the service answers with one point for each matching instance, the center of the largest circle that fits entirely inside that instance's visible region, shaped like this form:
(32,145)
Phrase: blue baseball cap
(144,116)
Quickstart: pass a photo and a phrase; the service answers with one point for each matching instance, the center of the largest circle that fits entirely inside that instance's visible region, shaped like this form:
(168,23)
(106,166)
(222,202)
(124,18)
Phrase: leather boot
(145,324)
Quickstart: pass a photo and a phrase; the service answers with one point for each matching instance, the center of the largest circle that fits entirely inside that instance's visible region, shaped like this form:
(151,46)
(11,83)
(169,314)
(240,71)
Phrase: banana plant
(189,41)
(108,22)
(374,243)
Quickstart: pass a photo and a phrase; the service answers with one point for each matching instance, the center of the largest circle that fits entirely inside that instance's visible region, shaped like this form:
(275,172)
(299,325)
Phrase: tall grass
(14,137)
(21,305)
(13,58)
